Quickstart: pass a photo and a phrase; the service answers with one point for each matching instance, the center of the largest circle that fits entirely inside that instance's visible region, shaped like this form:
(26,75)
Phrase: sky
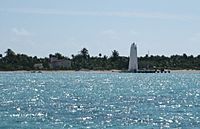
(43,27)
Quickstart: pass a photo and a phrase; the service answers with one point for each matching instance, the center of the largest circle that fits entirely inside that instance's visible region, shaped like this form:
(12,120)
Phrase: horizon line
(105,54)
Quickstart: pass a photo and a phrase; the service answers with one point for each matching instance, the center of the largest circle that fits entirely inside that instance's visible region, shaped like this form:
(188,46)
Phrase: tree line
(83,61)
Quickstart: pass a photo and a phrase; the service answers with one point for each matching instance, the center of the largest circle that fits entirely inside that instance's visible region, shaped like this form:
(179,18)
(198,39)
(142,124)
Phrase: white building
(133,61)
(56,63)
(38,66)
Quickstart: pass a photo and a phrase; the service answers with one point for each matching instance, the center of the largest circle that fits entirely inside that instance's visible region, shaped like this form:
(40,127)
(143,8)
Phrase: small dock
(147,71)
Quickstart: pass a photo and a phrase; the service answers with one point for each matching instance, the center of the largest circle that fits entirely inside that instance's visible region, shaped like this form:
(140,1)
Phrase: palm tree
(59,56)
(115,54)
(9,52)
(72,56)
(100,55)
(84,53)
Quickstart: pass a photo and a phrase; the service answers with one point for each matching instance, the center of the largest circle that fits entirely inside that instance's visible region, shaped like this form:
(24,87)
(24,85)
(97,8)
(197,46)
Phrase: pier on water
(148,71)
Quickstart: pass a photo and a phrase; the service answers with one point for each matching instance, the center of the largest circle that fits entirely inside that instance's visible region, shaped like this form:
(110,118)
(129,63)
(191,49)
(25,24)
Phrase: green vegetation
(83,61)
(13,61)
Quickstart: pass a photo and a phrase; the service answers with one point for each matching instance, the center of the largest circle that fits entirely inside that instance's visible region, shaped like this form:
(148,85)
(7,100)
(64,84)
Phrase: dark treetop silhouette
(83,60)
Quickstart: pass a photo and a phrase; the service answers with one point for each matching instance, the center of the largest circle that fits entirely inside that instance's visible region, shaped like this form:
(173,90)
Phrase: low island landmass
(12,61)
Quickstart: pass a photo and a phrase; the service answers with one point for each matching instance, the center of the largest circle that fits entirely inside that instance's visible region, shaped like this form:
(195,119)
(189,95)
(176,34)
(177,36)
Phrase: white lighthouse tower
(133,61)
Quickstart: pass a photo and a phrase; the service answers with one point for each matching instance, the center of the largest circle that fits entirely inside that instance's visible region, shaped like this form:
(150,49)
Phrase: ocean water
(78,100)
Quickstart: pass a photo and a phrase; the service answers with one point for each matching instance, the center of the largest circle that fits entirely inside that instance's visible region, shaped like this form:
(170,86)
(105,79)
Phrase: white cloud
(110,33)
(151,15)
(21,32)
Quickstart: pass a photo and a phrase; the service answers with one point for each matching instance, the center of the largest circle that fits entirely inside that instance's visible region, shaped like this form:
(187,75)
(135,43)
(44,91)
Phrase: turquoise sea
(80,100)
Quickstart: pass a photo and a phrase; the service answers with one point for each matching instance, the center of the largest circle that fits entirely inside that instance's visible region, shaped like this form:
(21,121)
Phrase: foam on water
(97,100)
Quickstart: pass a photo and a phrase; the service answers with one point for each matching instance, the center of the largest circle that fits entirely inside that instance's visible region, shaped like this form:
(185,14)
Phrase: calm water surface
(61,100)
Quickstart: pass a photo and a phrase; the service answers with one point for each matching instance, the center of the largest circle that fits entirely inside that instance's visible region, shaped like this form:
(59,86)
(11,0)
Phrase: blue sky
(41,27)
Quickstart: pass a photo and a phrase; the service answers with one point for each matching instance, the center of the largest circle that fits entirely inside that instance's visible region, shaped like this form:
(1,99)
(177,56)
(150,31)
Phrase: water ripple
(97,100)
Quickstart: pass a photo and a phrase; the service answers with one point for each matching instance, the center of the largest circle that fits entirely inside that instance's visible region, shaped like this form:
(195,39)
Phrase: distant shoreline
(90,71)
(185,71)
(83,61)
